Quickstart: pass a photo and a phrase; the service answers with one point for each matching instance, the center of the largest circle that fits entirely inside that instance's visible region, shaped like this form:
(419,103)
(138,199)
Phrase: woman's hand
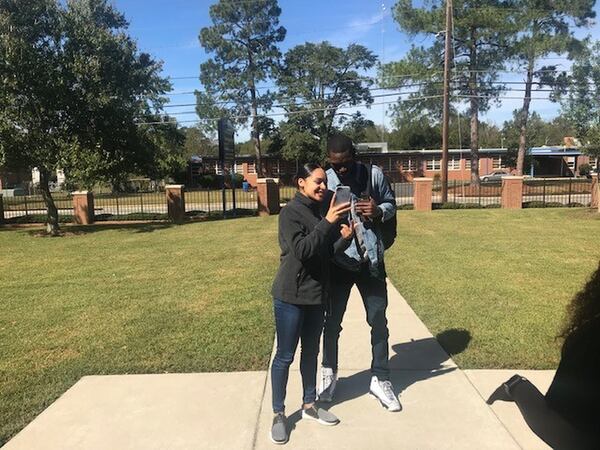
(337,212)
(347,232)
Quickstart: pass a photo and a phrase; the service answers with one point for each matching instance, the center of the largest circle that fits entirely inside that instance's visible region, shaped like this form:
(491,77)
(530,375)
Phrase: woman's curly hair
(584,309)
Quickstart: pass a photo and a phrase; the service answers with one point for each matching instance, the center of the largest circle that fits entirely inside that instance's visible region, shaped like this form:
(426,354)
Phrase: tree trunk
(254,112)
(525,117)
(51,210)
(474,106)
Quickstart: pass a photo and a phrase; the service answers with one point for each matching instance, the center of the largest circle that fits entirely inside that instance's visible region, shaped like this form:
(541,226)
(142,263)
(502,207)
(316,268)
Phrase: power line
(358,105)
(284,105)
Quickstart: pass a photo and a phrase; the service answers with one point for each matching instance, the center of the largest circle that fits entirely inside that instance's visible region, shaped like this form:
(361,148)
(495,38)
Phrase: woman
(300,291)
(568,416)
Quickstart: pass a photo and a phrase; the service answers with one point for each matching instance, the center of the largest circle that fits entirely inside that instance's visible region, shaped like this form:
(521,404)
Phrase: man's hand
(368,208)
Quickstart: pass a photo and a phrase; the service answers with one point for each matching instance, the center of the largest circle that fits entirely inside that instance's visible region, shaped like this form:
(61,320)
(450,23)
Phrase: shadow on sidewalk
(413,361)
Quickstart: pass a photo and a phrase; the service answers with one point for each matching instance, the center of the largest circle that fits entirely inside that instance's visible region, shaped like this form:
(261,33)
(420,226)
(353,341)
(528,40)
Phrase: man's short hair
(340,143)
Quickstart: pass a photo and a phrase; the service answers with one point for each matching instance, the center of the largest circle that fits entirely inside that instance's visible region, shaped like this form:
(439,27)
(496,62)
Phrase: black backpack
(387,228)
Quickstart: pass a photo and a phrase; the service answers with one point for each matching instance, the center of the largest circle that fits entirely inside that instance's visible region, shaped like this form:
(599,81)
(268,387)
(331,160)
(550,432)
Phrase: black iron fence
(201,202)
(126,206)
(28,208)
(463,194)
(556,192)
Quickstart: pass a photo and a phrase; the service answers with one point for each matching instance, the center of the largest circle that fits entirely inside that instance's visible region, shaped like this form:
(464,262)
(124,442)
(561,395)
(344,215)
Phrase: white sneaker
(384,392)
(327,386)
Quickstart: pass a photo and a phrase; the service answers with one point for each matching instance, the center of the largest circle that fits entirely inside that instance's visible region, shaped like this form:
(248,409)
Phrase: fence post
(83,207)
(512,192)
(1,210)
(570,182)
(423,190)
(595,202)
(267,196)
(175,202)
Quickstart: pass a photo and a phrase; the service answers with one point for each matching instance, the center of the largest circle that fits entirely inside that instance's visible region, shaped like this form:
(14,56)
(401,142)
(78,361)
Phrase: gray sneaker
(279,434)
(320,415)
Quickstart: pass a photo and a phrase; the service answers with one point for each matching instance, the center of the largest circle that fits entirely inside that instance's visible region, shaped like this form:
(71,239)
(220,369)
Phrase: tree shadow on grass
(81,230)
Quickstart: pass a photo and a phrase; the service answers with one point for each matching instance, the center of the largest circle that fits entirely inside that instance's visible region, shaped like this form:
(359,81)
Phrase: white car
(495,175)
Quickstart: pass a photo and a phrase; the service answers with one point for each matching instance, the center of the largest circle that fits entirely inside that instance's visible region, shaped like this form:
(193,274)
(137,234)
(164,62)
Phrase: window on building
(594,163)
(497,162)
(434,163)
(468,164)
(571,162)
(408,165)
(454,163)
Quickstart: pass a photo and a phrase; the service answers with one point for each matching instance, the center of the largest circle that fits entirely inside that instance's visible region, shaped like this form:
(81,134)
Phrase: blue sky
(168,29)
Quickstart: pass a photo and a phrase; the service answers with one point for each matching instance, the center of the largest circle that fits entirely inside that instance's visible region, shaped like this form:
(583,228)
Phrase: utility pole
(446,111)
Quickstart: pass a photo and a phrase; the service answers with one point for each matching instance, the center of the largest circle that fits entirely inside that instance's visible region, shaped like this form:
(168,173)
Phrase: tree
(73,90)
(481,39)
(582,104)
(243,38)
(545,28)
(315,80)
(197,143)
(357,126)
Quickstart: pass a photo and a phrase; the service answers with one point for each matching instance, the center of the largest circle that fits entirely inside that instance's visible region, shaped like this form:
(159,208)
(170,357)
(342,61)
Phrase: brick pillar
(175,202)
(268,196)
(83,207)
(1,210)
(512,192)
(423,188)
(594,204)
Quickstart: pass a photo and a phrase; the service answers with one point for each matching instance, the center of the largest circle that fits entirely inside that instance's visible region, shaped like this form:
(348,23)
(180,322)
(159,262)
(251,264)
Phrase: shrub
(575,205)
(534,204)
(493,205)
(554,205)
(407,206)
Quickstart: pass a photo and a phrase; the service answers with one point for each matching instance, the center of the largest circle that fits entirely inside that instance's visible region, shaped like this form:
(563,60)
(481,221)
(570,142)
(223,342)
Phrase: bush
(575,205)
(211,181)
(450,205)
(38,218)
(534,204)
(472,206)
(406,207)
(493,205)
(585,170)
(131,216)
(554,205)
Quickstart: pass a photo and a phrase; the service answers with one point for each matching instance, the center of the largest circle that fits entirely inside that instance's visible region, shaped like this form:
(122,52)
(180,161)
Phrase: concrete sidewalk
(444,407)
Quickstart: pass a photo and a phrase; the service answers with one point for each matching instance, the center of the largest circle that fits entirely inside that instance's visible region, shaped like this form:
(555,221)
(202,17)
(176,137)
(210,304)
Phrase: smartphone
(343,194)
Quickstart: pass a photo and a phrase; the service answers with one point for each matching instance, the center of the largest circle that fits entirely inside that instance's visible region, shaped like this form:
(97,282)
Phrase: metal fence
(22,207)
(463,194)
(554,192)
(124,206)
(207,202)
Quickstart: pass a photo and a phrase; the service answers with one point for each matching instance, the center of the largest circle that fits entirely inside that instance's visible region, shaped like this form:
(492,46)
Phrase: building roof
(554,151)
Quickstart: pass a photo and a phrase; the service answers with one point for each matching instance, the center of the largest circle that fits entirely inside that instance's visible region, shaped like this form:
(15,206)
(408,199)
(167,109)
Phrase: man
(363,265)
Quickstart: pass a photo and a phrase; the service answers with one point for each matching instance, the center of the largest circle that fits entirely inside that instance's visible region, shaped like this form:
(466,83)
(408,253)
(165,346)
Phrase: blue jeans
(374,296)
(293,323)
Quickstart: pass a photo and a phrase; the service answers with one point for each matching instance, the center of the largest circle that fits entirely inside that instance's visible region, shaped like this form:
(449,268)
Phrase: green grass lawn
(162,298)
(130,299)
(504,276)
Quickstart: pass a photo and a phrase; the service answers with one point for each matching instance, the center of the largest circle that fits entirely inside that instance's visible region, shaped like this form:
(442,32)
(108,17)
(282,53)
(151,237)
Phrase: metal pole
(446,110)
(233,186)
(223,187)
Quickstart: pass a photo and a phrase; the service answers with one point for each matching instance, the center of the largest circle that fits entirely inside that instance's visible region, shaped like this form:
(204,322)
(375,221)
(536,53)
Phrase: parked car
(495,175)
